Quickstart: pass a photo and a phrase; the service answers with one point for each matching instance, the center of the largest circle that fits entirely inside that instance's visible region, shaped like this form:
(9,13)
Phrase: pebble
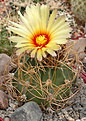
(83,112)
(83,101)
(67,115)
(30,111)
(1,80)
(83,119)
(6,64)
(6,119)
(55,118)
(3,100)
(13,106)
(9,109)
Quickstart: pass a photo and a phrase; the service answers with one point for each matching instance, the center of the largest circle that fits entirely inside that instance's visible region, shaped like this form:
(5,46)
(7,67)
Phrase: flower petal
(18,39)
(51,20)
(34,18)
(19,51)
(59,41)
(39,54)
(51,52)
(24,45)
(18,31)
(43,52)
(33,53)
(20,27)
(53,46)
(64,26)
(44,17)
(26,22)
(60,33)
(59,22)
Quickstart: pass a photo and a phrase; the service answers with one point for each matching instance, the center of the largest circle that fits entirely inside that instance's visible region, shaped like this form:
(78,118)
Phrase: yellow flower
(39,33)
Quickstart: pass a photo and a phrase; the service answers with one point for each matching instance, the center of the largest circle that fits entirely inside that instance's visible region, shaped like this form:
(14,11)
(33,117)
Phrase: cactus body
(45,84)
(79,9)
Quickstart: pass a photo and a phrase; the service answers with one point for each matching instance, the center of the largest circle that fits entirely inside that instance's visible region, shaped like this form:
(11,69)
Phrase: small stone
(83,112)
(28,112)
(77,101)
(6,64)
(3,100)
(6,119)
(78,120)
(67,115)
(84,60)
(82,115)
(13,106)
(55,117)
(79,46)
(83,101)
(60,115)
(83,119)
(16,103)
(9,109)
(1,80)
(71,112)
(77,107)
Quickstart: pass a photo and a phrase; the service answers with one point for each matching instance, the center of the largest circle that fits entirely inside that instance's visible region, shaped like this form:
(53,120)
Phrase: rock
(77,107)
(1,80)
(6,64)
(9,109)
(61,116)
(71,112)
(6,119)
(83,119)
(78,120)
(67,115)
(84,60)
(13,106)
(28,112)
(79,46)
(55,118)
(83,112)
(83,101)
(3,100)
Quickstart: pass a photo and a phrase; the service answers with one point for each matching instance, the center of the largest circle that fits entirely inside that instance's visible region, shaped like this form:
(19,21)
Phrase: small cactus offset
(79,9)
(44,73)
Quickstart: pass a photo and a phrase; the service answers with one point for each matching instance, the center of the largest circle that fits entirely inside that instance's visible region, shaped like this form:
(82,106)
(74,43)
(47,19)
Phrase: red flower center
(41,40)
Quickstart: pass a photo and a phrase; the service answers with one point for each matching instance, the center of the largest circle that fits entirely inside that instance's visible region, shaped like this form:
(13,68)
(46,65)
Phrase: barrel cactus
(79,9)
(44,73)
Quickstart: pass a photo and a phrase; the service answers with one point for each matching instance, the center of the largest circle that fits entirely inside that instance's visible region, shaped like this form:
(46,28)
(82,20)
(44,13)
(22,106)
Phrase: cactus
(48,85)
(79,9)
(44,74)
(5,45)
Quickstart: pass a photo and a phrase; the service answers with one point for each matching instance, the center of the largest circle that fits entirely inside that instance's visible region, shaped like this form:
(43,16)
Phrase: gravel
(73,112)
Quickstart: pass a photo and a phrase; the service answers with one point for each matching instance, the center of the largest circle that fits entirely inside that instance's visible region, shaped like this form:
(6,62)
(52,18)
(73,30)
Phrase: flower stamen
(41,40)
